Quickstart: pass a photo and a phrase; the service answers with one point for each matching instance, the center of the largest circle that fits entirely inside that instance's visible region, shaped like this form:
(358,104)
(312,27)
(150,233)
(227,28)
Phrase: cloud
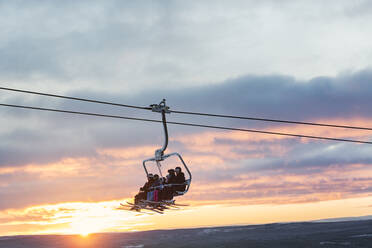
(285,187)
(199,56)
(250,58)
(218,174)
(31,136)
(72,179)
(360,9)
(132,45)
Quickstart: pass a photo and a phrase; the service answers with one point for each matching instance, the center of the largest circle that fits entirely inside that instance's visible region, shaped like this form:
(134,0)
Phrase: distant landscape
(301,234)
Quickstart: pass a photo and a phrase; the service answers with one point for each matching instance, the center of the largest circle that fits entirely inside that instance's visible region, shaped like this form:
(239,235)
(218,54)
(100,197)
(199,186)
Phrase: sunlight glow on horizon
(86,218)
(252,197)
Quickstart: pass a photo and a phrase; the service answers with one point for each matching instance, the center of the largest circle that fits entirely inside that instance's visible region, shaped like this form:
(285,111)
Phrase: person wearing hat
(143,190)
(168,191)
(171,176)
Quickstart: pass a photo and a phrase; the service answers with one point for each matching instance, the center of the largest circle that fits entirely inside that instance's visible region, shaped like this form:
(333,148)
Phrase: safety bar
(187,183)
(165,157)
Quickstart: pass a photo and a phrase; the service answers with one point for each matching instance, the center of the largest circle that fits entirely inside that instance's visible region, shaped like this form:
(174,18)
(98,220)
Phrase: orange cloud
(222,163)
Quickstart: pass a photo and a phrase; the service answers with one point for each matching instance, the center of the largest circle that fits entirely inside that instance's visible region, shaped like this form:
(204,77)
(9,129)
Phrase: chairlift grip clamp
(160,107)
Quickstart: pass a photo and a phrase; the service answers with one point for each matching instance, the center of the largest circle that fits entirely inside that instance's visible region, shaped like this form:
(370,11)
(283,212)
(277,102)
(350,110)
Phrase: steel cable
(187,112)
(185,124)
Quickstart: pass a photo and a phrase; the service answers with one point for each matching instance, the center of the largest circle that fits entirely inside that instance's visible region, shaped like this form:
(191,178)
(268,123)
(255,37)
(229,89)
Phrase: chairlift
(159,153)
(159,157)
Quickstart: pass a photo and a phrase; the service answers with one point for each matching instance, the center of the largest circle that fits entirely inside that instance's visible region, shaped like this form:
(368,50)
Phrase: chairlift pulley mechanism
(161,107)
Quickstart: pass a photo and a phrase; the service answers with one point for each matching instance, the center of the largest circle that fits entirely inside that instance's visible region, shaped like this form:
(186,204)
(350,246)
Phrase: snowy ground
(324,235)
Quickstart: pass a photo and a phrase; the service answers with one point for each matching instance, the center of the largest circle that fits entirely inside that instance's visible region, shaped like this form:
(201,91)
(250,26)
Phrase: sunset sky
(294,60)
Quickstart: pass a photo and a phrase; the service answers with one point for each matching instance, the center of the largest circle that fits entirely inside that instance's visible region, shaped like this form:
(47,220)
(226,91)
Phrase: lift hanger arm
(163,109)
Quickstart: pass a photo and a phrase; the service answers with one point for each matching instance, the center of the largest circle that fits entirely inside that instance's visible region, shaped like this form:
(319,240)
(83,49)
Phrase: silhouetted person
(144,190)
(168,191)
(153,194)
(180,180)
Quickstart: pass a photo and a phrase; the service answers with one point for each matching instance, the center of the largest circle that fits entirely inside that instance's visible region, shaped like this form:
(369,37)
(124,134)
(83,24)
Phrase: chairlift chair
(159,153)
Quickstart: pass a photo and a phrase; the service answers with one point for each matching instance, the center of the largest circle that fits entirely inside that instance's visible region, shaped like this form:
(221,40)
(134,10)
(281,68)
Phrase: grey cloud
(282,97)
(20,59)
(320,157)
(307,159)
(73,40)
(359,9)
(276,96)
(127,44)
(273,96)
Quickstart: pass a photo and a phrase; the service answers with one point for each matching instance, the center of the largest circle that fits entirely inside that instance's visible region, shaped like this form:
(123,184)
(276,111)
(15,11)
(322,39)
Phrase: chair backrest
(187,183)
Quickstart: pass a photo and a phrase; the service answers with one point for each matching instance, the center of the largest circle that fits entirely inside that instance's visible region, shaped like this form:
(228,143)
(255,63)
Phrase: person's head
(156,177)
(171,171)
(150,177)
(178,170)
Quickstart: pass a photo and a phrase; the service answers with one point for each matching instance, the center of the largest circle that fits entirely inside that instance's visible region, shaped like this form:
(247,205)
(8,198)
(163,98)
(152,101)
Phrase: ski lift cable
(185,124)
(75,98)
(188,112)
(271,120)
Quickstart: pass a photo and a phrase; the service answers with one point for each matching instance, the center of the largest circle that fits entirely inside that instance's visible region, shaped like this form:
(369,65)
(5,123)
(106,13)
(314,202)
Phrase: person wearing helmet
(180,180)
(143,190)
